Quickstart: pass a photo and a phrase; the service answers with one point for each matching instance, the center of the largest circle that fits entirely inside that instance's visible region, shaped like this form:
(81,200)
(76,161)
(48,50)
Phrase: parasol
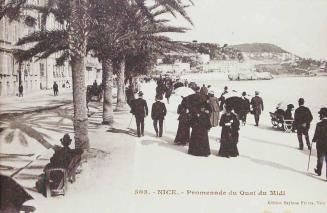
(183,91)
(235,102)
(13,195)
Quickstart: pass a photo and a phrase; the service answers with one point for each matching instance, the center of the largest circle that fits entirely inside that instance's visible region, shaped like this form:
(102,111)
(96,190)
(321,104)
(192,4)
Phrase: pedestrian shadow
(255,140)
(211,138)
(277,166)
(165,144)
(270,128)
(122,131)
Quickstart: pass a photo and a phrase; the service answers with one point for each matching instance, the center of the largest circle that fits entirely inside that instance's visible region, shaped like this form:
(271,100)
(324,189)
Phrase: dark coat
(183,131)
(320,136)
(160,89)
(257,105)
(129,95)
(245,108)
(158,111)
(195,102)
(199,142)
(55,87)
(229,135)
(20,88)
(139,108)
(168,92)
(204,90)
(288,114)
(302,117)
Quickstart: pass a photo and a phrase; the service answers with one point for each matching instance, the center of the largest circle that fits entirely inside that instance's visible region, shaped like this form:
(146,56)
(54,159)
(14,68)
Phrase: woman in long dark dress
(229,134)
(199,142)
(183,131)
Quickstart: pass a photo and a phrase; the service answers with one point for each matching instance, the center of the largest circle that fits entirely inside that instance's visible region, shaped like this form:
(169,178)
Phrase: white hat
(211,92)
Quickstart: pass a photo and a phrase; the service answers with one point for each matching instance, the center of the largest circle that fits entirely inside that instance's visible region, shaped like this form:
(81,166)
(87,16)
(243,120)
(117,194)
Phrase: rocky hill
(259,48)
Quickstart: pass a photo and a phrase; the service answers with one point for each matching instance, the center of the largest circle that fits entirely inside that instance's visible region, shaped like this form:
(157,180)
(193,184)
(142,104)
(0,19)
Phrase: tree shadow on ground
(278,166)
(122,131)
(32,124)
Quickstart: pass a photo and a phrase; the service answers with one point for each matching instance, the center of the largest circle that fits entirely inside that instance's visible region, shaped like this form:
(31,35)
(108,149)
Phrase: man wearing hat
(140,110)
(257,107)
(204,90)
(302,120)
(245,108)
(158,113)
(320,137)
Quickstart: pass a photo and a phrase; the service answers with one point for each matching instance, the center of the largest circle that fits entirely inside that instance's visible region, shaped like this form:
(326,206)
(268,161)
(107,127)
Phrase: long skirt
(228,145)
(199,142)
(183,133)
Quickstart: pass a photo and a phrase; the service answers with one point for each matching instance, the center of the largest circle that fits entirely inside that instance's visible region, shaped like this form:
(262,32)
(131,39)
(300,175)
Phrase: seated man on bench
(62,166)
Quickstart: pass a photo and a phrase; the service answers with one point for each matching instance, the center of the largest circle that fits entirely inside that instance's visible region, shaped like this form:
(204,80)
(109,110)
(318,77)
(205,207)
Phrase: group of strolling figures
(200,112)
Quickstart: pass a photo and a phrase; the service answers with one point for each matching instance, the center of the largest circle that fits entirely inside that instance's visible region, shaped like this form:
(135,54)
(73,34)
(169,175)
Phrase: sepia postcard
(157,106)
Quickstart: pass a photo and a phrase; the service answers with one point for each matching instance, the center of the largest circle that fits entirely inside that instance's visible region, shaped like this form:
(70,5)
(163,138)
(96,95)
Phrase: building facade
(34,74)
(11,73)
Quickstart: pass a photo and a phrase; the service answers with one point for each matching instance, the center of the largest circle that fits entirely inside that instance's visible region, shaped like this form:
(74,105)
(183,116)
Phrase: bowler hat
(256,92)
(301,101)
(140,93)
(244,93)
(290,106)
(323,111)
(66,140)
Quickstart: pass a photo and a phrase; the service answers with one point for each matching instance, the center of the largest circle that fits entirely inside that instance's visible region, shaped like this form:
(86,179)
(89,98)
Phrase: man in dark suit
(245,108)
(158,113)
(302,120)
(204,90)
(257,107)
(140,110)
(320,137)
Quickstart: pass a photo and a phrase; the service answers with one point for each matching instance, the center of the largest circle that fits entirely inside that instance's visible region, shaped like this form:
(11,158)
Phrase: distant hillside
(258,48)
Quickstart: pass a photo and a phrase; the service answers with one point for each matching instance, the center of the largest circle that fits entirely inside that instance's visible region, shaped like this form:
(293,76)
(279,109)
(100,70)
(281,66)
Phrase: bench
(57,177)
(279,122)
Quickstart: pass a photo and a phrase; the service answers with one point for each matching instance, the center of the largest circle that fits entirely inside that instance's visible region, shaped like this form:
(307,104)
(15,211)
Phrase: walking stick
(309,157)
(165,127)
(130,122)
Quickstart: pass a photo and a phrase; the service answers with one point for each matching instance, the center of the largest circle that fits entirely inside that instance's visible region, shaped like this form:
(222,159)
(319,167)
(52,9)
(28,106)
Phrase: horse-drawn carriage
(94,91)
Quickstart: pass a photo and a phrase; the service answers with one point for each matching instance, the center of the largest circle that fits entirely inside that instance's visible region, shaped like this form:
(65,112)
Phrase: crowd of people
(203,110)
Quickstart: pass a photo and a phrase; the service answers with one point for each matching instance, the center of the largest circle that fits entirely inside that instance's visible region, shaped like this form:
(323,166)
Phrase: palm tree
(77,16)
(72,41)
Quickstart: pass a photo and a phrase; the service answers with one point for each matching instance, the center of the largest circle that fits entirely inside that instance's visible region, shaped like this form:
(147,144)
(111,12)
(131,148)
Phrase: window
(42,70)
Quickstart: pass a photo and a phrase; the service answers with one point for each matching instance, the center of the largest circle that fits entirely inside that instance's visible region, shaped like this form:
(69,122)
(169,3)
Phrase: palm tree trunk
(121,98)
(77,43)
(79,100)
(107,82)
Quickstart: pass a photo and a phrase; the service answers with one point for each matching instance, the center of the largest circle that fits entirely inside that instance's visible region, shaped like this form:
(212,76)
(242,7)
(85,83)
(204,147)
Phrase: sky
(298,26)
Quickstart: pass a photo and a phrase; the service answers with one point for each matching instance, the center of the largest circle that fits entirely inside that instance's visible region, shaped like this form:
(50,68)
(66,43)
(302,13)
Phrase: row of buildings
(34,75)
